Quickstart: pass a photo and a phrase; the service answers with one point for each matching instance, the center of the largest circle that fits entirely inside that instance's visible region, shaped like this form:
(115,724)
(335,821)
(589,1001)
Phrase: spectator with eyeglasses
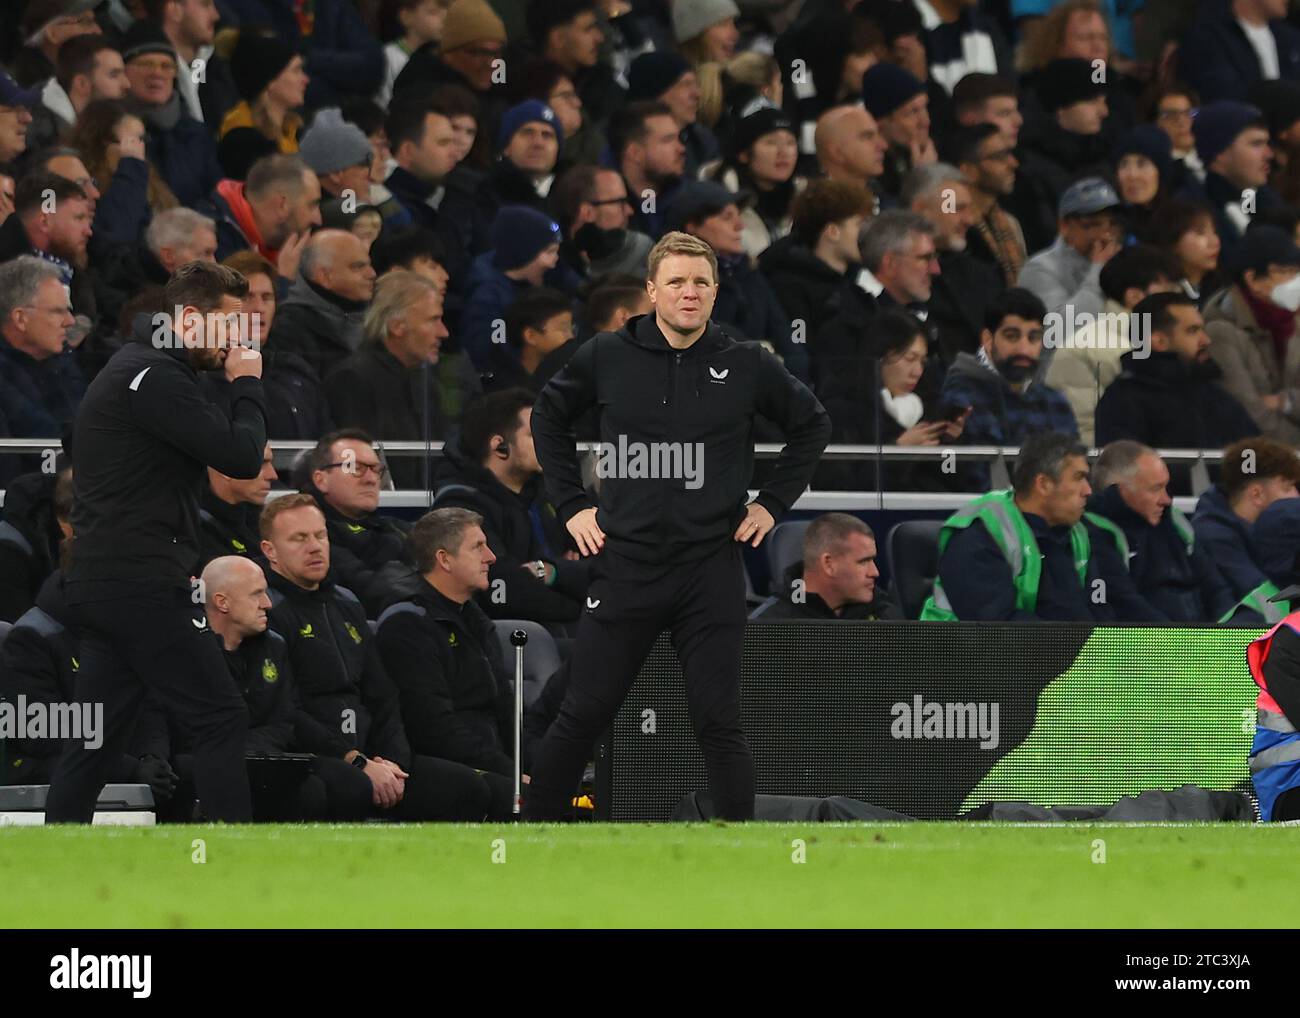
(345,474)
(1172,112)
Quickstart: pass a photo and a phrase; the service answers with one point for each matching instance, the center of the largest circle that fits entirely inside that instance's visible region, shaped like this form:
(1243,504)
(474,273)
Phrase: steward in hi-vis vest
(1274,661)
(1024,555)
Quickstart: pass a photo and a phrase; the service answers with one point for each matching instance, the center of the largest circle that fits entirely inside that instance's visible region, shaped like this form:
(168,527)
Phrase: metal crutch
(518,638)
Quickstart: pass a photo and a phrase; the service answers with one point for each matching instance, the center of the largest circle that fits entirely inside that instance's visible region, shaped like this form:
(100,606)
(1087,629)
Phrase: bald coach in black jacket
(143,439)
(677,401)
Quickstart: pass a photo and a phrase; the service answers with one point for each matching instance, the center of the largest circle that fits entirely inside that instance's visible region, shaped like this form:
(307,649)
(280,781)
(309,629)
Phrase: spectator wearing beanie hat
(339,154)
(525,249)
(1232,144)
(549,83)
(473,43)
(669,78)
(900,105)
(1066,142)
(761,159)
(272,85)
(528,144)
(1252,329)
(705,30)
(179,147)
(343,58)
(1145,175)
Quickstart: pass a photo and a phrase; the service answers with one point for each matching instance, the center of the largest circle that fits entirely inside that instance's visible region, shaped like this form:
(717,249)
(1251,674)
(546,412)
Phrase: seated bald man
(321,318)
(236,605)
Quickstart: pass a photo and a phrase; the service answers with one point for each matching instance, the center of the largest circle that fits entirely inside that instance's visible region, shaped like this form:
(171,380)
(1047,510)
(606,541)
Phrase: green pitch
(645,875)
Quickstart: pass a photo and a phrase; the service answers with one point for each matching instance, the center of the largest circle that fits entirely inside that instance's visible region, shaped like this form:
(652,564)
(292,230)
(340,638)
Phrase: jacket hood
(1213,504)
(792,255)
(458,468)
(970,367)
(1167,368)
(1110,504)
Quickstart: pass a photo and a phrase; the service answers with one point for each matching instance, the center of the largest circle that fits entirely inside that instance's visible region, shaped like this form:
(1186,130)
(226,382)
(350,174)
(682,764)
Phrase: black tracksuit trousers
(702,604)
(150,642)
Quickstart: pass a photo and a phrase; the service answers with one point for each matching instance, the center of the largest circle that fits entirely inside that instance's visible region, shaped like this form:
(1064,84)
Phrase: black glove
(158,775)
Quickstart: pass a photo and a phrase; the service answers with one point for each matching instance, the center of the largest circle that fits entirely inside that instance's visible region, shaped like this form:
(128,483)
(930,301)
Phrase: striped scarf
(1001,237)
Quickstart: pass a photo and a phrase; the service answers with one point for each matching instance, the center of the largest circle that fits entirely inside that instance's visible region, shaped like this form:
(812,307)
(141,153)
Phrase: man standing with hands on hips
(143,439)
(677,398)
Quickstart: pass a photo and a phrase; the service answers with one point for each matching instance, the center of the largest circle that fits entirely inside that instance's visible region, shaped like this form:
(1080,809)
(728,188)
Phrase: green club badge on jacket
(238,545)
(451,639)
(306,632)
(269,672)
(352,632)
(355,528)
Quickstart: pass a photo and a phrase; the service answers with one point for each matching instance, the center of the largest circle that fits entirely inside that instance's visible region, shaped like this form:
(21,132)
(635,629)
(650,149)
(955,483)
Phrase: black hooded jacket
(802,282)
(145,436)
(519,528)
(1162,581)
(1160,401)
(685,412)
(227,529)
(344,699)
(455,690)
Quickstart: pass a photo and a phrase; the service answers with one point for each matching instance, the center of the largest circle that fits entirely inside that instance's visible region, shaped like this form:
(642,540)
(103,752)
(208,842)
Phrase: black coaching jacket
(648,394)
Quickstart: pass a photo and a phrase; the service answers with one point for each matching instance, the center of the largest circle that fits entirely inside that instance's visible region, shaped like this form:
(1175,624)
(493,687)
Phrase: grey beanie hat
(332,144)
(691,17)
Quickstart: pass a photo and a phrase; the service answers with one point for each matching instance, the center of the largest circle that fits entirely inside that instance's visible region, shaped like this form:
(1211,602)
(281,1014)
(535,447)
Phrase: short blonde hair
(677,243)
(395,292)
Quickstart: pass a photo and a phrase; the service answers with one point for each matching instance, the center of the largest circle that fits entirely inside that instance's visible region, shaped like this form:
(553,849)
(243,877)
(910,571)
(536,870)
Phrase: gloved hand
(158,775)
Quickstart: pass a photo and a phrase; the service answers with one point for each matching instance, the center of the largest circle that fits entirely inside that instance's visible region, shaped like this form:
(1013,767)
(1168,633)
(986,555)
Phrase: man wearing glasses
(989,162)
(34,318)
(346,477)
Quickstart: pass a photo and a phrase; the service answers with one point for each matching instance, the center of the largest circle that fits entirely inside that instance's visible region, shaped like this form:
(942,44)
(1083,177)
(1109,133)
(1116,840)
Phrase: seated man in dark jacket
(1168,395)
(228,513)
(492,470)
(836,579)
(1256,472)
(38,661)
(1156,571)
(347,706)
(746,306)
(1024,555)
(344,474)
(442,650)
(235,605)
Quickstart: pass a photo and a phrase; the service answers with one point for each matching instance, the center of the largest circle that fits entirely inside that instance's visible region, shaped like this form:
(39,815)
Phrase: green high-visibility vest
(1257,600)
(1008,527)
(1180,521)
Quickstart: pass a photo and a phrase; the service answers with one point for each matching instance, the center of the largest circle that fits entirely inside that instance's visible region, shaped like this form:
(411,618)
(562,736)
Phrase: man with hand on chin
(145,436)
(677,400)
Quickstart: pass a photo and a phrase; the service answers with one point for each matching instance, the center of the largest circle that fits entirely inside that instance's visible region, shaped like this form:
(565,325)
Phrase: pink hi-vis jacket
(1257,654)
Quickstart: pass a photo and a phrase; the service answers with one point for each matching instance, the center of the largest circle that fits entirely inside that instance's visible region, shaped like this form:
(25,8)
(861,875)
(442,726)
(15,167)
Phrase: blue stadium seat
(784,549)
(914,562)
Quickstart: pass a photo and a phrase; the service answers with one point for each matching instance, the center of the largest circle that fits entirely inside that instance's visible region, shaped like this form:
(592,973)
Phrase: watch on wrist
(360,760)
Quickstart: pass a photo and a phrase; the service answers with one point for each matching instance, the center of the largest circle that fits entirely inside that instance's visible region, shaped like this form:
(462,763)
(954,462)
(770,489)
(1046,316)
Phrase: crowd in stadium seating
(1054,225)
